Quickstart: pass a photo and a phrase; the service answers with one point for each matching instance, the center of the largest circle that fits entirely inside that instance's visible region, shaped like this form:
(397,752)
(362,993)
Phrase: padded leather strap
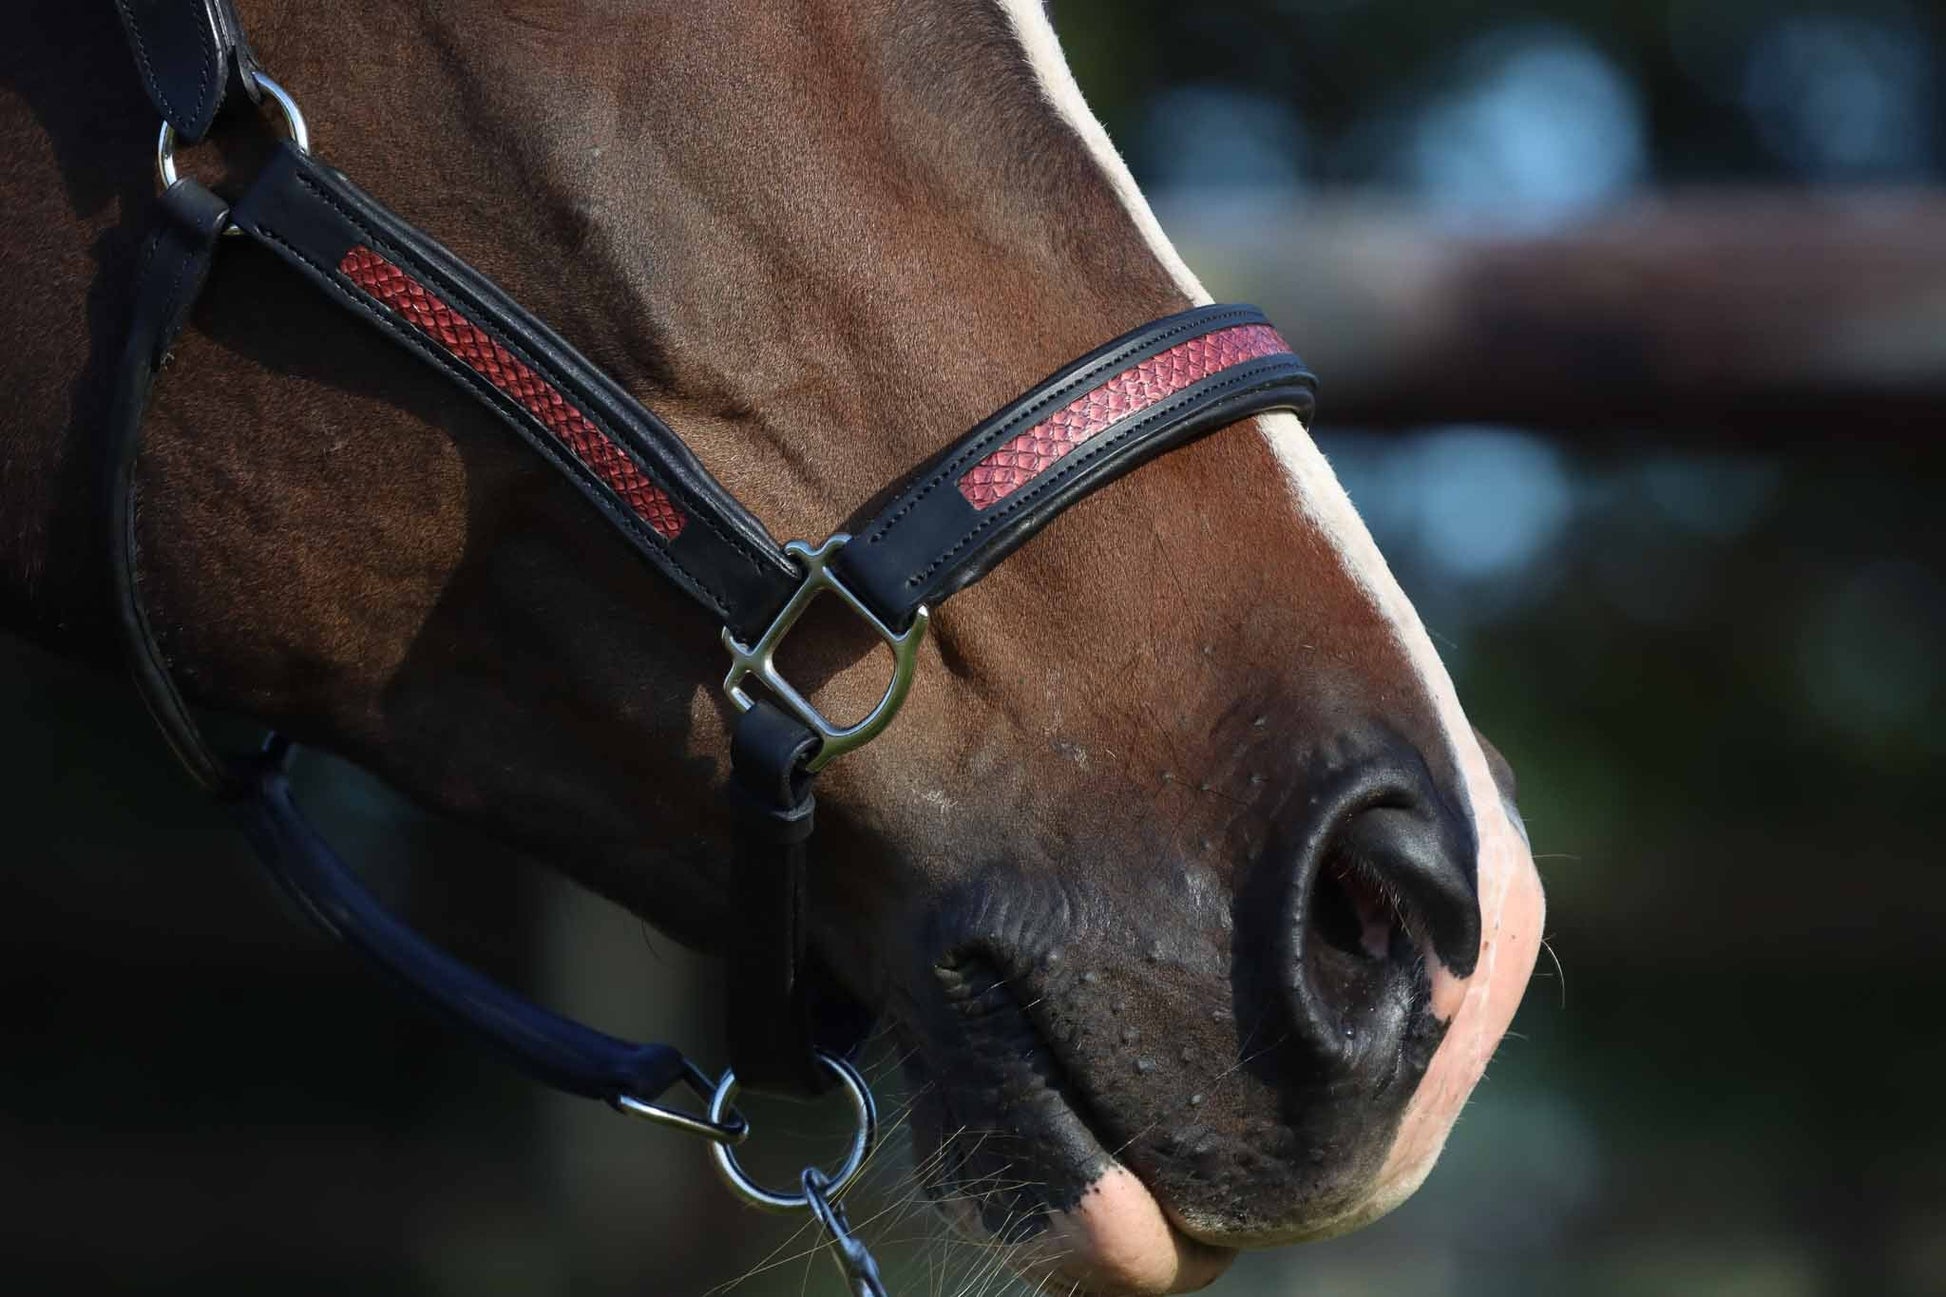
(1166,383)
(188,52)
(627,462)
(175,265)
(770,1020)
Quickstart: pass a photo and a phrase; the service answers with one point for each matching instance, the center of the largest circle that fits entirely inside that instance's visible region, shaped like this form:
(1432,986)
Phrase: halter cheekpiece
(944,527)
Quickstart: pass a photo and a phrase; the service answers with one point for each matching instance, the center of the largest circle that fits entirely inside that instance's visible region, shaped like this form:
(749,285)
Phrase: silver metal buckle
(756,659)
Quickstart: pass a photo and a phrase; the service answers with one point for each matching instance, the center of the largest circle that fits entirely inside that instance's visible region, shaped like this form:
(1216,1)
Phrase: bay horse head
(1194,903)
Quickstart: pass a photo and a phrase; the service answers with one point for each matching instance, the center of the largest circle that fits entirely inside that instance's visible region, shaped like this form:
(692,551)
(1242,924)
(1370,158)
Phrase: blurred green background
(1707,633)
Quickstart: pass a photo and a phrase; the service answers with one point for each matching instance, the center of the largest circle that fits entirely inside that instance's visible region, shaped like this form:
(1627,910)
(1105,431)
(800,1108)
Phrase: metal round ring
(294,130)
(864,1110)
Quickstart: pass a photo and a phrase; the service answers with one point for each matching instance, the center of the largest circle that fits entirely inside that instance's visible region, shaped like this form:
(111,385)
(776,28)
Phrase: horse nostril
(1382,883)
(1421,866)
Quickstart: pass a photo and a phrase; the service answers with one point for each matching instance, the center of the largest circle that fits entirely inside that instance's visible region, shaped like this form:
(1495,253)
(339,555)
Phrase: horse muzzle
(1126,1081)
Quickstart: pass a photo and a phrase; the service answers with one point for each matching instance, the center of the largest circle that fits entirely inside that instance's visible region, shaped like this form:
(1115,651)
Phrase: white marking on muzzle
(1510,901)
(1319,495)
(1036,35)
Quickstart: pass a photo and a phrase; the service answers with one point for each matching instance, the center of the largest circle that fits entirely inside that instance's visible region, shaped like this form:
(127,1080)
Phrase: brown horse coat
(1100,851)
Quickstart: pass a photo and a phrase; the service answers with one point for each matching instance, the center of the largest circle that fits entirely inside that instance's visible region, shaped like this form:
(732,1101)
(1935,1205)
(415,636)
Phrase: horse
(1193,902)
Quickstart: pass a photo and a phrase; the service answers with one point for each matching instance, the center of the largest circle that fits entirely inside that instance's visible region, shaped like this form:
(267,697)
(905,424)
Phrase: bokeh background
(1632,322)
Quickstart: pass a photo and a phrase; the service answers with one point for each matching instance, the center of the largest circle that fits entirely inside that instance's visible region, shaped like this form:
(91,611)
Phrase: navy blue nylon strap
(550,1048)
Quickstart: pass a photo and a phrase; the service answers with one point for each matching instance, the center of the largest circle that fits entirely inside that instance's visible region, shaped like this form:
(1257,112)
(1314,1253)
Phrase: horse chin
(1119,1240)
(1037,1180)
(1115,1240)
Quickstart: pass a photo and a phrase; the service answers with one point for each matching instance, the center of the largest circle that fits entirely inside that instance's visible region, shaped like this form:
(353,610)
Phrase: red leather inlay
(470,345)
(1027,456)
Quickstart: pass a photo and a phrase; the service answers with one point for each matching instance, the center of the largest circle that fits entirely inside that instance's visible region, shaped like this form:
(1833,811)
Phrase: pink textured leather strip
(1136,388)
(470,345)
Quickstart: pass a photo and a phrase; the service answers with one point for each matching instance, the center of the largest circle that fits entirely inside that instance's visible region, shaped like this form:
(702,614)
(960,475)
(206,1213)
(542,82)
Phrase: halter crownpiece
(945,526)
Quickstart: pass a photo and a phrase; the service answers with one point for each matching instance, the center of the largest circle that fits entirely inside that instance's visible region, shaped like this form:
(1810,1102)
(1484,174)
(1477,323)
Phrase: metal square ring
(756,659)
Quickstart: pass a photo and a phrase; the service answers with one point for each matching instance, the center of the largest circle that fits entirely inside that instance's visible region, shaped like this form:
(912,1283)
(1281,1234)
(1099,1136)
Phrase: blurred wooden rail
(1769,315)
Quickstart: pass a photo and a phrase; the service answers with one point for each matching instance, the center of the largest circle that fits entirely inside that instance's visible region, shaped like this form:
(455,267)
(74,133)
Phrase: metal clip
(756,658)
(726,1128)
(847,1249)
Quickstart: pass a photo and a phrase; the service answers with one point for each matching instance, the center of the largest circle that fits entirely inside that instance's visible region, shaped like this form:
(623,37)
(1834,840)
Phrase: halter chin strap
(947,525)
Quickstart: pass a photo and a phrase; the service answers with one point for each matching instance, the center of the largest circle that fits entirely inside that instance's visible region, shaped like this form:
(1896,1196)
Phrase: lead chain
(847,1249)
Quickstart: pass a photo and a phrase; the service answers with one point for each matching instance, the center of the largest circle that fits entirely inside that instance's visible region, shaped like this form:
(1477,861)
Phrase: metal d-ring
(863,1109)
(720,1129)
(294,130)
(756,659)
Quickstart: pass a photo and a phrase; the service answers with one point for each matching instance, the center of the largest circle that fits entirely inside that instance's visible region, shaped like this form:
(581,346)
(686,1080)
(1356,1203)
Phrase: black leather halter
(944,527)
